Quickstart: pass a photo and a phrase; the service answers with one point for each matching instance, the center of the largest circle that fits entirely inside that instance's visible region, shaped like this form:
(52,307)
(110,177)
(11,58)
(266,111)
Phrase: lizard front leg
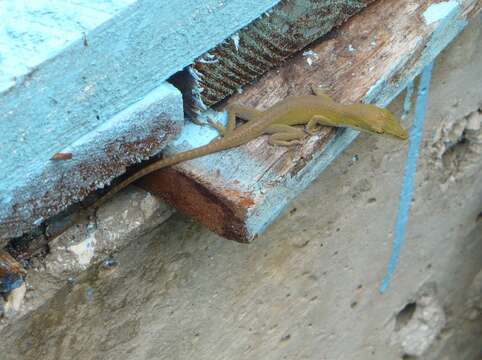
(284,135)
(321,93)
(317,121)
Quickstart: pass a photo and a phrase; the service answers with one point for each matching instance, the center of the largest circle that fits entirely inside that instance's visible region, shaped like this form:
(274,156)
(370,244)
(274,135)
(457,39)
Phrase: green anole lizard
(279,122)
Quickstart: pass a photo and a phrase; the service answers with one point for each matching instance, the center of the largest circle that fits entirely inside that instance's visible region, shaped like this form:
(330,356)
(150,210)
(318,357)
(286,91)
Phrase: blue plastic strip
(409,174)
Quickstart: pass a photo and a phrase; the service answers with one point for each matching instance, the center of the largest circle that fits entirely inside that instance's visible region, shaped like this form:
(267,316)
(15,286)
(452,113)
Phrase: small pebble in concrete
(127,216)
(14,301)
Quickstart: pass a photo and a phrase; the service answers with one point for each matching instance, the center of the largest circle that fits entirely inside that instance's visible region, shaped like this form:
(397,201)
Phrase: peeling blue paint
(209,59)
(439,11)
(235,39)
(447,29)
(415,139)
(10,282)
(164,98)
(194,136)
(40,187)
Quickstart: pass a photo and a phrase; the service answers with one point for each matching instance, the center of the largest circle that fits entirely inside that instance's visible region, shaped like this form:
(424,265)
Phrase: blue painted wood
(132,135)
(36,31)
(69,68)
(258,181)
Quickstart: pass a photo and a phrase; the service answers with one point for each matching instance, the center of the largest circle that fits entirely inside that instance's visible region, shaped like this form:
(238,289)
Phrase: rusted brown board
(265,44)
(373,56)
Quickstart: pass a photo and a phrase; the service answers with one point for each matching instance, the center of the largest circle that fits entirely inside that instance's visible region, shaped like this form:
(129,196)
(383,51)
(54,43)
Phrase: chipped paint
(196,91)
(235,39)
(446,30)
(439,11)
(135,134)
(208,59)
(194,135)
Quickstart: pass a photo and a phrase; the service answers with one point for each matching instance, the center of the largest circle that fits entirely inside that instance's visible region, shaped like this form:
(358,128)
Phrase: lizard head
(377,120)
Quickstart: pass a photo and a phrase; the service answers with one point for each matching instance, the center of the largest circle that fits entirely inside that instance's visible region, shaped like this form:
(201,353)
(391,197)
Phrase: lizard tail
(215,146)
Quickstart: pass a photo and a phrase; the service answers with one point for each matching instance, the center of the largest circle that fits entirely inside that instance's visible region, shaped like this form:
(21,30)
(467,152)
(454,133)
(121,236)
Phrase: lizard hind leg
(243,112)
(284,135)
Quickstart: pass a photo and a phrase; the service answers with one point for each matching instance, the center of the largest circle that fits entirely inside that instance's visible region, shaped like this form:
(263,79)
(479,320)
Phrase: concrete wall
(308,288)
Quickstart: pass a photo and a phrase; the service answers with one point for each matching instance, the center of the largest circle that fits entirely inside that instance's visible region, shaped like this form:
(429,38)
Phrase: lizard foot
(220,128)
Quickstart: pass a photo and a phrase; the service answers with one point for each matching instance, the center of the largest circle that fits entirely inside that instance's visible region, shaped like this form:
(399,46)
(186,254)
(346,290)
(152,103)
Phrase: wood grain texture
(370,58)
(265,44)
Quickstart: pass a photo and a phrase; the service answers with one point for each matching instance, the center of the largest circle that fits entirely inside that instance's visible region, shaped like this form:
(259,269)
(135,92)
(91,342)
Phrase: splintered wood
(265,44)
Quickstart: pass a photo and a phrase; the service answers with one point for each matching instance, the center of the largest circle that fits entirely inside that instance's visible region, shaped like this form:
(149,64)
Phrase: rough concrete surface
(116,223)
(129,215)
(308,288)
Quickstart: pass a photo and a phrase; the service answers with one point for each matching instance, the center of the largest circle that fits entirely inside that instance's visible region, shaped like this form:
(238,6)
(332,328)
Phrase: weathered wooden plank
(29,197)
(263,45)
(372,57)
(68,70)
(162,36)
(35,31)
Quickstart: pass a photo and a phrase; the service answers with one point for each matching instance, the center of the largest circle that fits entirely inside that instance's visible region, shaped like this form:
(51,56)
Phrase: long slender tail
(222,144)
